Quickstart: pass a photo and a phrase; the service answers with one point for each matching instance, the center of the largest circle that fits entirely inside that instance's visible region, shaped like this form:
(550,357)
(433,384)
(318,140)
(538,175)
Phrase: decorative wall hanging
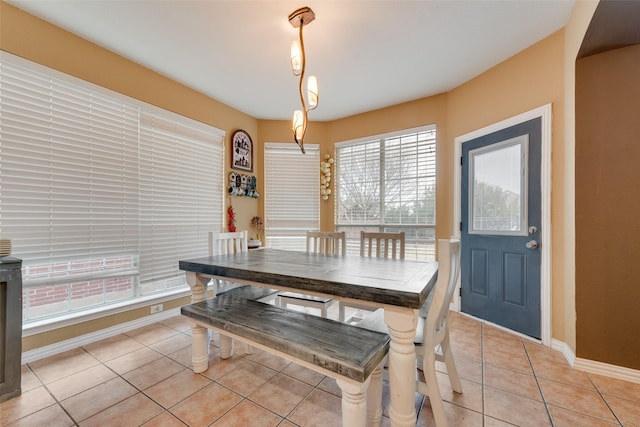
(243,185)
(325,177)
(231,219)
(241,151)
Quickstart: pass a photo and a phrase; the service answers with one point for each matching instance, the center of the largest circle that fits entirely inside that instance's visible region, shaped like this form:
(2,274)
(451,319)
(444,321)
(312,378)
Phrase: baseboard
(62,346)
(593,367)
(566,351)
(607,370)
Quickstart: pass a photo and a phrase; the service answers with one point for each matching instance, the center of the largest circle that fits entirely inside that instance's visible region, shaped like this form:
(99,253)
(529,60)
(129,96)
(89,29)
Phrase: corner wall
(607,206)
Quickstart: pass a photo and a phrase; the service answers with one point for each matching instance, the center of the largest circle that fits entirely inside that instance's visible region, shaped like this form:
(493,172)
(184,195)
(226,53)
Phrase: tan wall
(607,206)
(564,239)
(530,79)
(539,75)
(26,36)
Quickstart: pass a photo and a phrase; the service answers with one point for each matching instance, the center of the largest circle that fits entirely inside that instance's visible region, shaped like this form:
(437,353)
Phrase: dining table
(398,286)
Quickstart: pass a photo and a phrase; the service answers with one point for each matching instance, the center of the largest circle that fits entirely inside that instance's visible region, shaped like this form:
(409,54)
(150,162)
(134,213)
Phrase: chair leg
(341,312)
(432,389)
(450,363)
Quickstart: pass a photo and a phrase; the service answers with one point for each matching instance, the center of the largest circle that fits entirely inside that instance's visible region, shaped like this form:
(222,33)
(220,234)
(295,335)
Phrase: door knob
(532,244)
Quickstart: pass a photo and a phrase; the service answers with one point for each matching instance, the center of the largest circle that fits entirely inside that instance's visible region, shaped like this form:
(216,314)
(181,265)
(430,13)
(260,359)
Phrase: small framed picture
(241,151)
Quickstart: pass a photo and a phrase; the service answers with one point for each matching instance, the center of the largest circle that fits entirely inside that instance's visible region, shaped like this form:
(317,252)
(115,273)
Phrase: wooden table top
(381,281)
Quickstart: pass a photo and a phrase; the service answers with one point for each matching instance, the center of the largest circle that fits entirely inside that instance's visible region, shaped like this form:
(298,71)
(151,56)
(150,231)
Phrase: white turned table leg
(374,397)
(402,365)
(354,404)
(199,334)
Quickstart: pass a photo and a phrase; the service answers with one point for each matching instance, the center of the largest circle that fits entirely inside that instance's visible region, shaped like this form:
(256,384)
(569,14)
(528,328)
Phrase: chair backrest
(227,243)
(382,243)
(448,272)
(328,243)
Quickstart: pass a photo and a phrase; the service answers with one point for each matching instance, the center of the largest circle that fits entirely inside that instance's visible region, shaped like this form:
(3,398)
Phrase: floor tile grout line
(604,400)
(544,401)
(55,399)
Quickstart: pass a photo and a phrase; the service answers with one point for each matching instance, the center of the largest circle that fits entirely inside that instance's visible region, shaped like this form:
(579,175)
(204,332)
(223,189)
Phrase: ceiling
(365,54)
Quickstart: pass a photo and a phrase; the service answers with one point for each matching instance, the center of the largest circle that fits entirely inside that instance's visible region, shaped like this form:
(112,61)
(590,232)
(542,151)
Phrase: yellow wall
(536,76)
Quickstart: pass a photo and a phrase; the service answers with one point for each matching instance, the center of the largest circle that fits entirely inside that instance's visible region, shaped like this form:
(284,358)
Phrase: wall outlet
(156,308)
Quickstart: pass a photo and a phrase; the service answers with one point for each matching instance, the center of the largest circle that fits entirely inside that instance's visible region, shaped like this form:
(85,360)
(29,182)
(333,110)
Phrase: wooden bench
(351,355)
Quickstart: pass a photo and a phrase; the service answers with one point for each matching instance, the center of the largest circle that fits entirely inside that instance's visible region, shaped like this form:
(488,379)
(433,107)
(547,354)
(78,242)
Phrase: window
(388,183)
(100,194)
(292,194)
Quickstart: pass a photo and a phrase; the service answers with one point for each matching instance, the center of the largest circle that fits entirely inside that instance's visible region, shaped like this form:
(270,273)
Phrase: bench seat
(345,350)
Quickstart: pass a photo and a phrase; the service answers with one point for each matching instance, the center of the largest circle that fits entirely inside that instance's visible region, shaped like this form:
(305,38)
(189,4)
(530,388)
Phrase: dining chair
(432,341)
(378,245)
(382,243)
(222,243)
(322,242)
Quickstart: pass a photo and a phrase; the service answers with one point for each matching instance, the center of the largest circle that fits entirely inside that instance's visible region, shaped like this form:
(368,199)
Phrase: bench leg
(199,348)
(354,405)
(374,397)
(226,347)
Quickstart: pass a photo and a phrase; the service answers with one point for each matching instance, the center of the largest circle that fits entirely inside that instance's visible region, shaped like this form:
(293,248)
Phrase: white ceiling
(365,54)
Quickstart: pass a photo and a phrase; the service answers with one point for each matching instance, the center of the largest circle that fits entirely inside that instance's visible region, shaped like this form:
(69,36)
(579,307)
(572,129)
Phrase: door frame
(544,113)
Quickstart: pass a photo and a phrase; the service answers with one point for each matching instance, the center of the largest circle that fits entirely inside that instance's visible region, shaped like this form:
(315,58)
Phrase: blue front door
(500,227)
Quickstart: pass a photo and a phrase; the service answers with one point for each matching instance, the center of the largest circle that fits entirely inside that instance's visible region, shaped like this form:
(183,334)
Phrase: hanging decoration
(231,219)
(325,177)
(298,19)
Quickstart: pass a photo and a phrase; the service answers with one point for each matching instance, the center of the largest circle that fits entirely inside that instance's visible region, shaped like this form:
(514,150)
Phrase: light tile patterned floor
(143,378)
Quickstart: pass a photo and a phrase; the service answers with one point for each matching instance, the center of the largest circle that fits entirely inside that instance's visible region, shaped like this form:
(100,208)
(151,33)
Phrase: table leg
(402,365)
(199,334)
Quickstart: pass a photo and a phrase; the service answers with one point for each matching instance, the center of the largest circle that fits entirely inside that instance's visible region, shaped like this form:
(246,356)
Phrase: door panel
(500,215)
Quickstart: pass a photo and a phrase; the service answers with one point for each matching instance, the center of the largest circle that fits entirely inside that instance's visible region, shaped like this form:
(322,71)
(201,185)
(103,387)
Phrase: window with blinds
(292,194)
(100,194)
(387,183)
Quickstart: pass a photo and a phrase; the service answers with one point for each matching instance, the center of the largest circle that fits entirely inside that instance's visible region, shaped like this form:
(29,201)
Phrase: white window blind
(88,178)
(387,183)
(180,196)
(292,194)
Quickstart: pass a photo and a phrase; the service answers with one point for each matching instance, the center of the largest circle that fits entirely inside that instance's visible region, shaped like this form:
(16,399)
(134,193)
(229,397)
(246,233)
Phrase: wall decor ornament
(243,185)
(241,151)
(231,219)
(325,177)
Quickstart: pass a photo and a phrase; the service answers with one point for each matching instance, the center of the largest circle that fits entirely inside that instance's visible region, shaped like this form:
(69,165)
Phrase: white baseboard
(593,367)
(62,346)
(613,371)
(563,348)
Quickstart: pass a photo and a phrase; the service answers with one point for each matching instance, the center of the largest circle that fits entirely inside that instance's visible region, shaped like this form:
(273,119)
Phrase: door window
(498,183)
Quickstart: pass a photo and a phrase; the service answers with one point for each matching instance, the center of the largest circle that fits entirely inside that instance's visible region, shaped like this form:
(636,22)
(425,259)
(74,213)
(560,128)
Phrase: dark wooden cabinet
(10,327)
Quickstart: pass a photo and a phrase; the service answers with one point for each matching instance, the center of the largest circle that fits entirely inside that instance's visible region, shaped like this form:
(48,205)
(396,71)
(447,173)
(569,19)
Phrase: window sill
(58,322)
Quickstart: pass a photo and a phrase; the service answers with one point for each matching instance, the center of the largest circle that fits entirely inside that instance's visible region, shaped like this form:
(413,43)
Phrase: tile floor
(143,378)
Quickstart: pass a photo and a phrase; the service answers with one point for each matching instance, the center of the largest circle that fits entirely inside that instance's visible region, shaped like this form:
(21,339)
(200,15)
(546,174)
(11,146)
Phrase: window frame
(307,206)
(353,228)
(105,308)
